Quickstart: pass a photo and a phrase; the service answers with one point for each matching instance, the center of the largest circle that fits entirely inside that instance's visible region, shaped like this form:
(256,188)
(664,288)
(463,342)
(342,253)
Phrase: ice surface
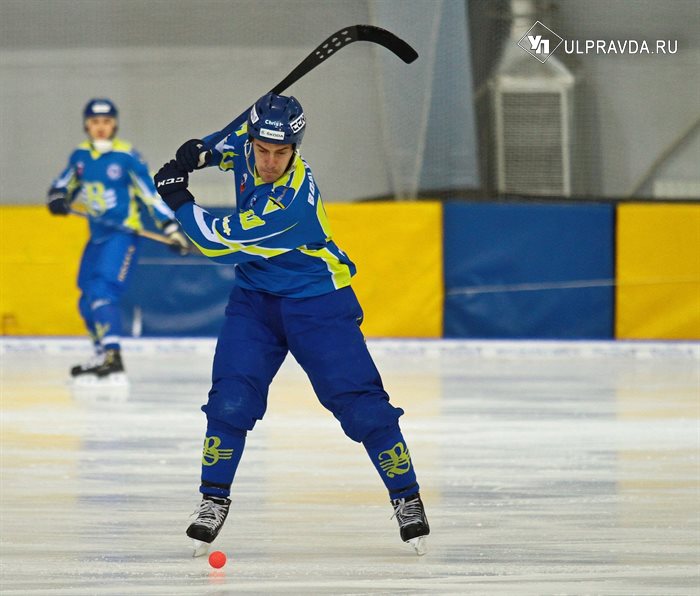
(546,468)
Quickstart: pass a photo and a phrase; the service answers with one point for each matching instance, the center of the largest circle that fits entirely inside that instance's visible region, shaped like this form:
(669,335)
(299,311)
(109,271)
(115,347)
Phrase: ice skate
(88,367)
(102,370)
(211,514)
(413,523)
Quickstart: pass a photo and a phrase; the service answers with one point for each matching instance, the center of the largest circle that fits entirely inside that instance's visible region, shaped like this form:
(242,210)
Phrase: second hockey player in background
(111,183)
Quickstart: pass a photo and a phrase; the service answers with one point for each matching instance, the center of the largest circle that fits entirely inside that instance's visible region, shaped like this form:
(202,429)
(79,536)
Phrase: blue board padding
(177,296)
(518,270)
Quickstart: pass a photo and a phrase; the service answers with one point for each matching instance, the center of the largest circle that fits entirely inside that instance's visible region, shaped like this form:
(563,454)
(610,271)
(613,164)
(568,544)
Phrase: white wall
(168,95)
(179,69)
(640,104)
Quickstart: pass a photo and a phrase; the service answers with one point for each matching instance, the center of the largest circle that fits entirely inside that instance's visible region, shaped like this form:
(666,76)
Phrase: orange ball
(217,559)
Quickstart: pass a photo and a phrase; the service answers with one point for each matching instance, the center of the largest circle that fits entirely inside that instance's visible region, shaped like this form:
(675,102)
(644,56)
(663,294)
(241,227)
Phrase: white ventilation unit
(531,104)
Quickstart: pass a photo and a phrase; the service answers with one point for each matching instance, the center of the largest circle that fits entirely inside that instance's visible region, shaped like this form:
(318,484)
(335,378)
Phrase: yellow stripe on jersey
(133,219)
(212,253)
(261,251)
(88,146)
(234,246)
(323,218)
(340,272)
(295,179)
(117,145)
(272,205)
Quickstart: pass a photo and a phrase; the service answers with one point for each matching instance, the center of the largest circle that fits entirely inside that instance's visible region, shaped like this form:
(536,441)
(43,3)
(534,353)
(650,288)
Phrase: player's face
(100,127)
(271,160)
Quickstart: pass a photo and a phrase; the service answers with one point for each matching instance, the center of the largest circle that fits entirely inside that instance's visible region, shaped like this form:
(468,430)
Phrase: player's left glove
(178,242)
(58,203)
(171,184)
(192,155)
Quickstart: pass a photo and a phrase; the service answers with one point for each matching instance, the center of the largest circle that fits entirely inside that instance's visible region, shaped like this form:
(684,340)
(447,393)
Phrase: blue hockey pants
(104,273)
(323,334)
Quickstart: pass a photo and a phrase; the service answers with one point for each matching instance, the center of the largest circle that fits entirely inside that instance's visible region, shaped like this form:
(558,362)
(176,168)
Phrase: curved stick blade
(387,39)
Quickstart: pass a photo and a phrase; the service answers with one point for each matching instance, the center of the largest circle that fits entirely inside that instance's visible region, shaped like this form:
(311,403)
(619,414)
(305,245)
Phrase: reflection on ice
(545,468)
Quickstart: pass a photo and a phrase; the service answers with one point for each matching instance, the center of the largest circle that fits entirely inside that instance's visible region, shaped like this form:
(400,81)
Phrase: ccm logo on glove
(171,181)
(171,184)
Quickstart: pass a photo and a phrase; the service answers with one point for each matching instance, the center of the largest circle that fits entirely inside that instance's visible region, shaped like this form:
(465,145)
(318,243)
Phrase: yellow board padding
(658,271)
(39,260)
(397,248)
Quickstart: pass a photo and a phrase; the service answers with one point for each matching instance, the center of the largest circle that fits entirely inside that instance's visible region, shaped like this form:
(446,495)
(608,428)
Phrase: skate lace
(407,512)
(209,514)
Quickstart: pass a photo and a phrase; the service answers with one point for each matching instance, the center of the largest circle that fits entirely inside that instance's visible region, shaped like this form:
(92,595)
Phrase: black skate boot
(413,523)
(89,367)
(111,364)
(211,514)
(108,367)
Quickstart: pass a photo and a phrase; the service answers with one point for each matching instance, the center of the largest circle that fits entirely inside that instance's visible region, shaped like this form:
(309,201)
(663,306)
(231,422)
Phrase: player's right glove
(192,155)
(177,239)
(171,183)
(57,202)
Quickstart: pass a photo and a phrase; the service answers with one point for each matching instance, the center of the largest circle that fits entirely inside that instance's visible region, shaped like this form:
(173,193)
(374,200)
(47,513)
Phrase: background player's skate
(106,369)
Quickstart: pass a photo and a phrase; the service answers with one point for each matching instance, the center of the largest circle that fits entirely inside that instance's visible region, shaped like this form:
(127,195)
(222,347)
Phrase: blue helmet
(277,119)
(100,107)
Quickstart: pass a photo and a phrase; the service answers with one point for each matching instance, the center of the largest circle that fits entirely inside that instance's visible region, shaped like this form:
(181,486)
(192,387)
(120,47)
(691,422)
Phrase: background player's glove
(177,238)
(189,155)
(58,203)
(171,184)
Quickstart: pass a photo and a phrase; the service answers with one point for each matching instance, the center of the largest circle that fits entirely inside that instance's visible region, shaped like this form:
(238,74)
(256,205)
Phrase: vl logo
(540,41)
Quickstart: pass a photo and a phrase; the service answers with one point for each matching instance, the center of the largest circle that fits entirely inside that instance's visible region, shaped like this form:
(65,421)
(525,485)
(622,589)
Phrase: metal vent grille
(532,138)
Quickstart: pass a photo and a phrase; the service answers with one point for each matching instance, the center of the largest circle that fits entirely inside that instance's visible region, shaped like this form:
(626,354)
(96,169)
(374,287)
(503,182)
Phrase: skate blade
(200,548)
(113,380)
(420,544)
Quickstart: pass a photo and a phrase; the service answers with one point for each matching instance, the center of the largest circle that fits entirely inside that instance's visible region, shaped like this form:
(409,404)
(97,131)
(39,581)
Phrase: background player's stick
(324,51)
(143,233)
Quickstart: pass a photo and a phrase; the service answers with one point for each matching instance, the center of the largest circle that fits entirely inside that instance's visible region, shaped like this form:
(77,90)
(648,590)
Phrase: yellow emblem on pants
(212,454)
(101,329)
(395,461)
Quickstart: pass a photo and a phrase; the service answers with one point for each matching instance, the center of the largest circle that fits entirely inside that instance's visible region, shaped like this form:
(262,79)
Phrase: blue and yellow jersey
(278,237)
(113,188)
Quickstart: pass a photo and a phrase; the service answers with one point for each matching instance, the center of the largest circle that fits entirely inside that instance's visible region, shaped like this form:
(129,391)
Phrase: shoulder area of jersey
(235,138)
(118,145)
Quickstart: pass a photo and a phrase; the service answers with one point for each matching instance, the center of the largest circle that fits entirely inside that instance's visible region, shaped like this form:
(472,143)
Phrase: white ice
(546,468)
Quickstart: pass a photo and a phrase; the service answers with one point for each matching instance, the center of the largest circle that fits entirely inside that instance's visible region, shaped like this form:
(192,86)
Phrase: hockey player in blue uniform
(112,182)
(291,294)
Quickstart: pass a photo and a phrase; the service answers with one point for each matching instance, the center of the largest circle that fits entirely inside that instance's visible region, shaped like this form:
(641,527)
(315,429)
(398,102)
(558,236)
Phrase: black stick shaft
(325,50)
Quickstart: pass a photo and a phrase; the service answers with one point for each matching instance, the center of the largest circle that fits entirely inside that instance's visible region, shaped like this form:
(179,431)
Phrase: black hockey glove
(171,184)
(58,203)
(192,155)
(178,242)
